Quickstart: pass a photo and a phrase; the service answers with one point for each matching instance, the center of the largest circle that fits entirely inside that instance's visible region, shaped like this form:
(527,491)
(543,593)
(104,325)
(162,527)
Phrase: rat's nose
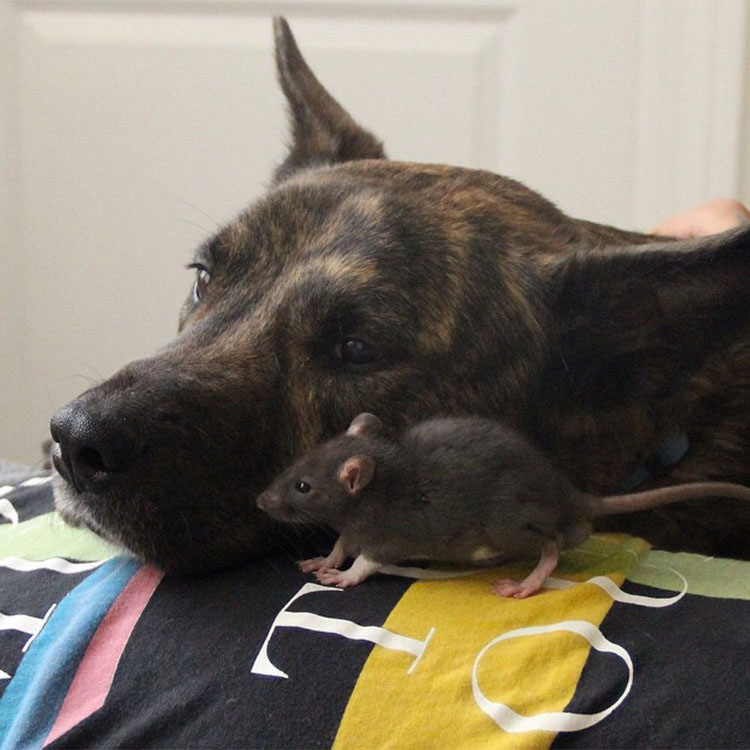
(92,446)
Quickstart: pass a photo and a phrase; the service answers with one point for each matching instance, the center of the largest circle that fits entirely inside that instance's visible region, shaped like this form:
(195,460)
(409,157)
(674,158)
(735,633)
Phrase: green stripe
(602,554)
(48,536)
(707,576)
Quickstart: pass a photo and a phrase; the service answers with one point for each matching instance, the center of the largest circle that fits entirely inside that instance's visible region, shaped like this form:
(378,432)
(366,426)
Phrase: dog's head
(355,284)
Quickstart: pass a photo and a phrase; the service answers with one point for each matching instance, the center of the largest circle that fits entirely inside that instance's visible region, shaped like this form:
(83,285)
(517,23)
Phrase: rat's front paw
(333,577)
(313,564)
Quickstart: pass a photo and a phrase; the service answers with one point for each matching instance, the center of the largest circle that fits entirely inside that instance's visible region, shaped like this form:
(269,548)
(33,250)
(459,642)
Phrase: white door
(129,131)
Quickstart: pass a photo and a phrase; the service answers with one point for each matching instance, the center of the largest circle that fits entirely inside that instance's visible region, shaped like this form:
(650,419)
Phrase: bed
(626,646)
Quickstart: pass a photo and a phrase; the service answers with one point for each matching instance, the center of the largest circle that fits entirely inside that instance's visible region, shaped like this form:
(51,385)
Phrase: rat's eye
(302,487)
(202,279)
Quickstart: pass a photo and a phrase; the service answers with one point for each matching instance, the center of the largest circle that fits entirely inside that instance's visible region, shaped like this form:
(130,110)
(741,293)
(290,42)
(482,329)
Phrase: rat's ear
(323,132)
(364,424)
(356,472)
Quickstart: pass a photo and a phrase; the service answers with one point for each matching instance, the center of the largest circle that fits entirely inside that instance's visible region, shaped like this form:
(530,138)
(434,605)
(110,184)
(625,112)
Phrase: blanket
(625,647)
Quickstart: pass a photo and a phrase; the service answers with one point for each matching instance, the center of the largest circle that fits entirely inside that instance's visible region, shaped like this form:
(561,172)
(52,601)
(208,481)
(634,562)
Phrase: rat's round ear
(365,424)
(356,472)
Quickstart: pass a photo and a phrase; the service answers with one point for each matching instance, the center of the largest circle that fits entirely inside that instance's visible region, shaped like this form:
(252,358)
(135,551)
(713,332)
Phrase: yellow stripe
(434,707)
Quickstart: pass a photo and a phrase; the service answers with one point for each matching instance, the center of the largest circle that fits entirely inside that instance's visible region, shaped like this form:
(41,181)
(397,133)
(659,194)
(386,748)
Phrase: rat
(449,489)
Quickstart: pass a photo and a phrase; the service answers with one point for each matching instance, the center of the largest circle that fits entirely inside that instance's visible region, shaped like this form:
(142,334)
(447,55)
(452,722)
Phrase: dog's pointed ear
(323,132)
(364,424)
(356,472)
(636,323)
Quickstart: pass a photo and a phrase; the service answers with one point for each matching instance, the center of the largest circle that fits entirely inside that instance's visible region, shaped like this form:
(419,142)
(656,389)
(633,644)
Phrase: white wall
(129,131)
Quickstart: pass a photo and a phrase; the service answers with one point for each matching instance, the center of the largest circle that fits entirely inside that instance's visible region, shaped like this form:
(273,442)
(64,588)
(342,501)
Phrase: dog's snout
(92,447)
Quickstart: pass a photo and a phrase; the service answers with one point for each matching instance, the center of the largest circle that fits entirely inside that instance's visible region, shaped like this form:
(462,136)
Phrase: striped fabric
(625,647)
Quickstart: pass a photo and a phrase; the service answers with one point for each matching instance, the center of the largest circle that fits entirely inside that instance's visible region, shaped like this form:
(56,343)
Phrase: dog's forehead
(363,206)
(302,219)
(392,238)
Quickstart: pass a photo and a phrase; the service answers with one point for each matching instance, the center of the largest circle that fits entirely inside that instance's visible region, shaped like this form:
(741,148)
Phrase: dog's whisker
(83,363)
(197,209)
(195,224)
(87,378)
(284,531)
(270,562)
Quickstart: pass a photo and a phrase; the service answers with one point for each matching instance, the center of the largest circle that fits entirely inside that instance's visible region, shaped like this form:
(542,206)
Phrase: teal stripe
(33,698)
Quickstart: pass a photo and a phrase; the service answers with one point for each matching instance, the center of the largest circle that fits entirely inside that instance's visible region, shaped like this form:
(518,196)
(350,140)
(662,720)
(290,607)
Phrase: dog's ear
(637,322)
(356,473)
(322,131)
(365,424)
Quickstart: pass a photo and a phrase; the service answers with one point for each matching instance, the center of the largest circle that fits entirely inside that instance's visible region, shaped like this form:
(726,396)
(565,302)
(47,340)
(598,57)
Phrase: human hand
(708,218)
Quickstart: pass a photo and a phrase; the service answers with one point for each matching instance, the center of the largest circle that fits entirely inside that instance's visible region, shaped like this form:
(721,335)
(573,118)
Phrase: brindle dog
(411,290)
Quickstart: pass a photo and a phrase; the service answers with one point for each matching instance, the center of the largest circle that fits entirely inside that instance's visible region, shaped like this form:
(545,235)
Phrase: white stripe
(610,587)
(318,623)
(8,511)
(57,564)
(25,624)
(426,573)
(39,629)
(604,583)
(22,623)
(4,675)
(554,721)
(36,481)
(6,489)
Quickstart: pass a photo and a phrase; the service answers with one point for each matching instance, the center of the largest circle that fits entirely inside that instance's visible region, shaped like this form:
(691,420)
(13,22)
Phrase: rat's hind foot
(534,581)
(515,589)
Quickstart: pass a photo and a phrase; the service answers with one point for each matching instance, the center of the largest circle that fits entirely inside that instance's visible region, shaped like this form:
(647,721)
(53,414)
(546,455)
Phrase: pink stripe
(95,673)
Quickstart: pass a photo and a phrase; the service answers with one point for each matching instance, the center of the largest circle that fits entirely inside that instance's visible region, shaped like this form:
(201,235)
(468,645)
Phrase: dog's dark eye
(356,352)
(302,487)
(202,279)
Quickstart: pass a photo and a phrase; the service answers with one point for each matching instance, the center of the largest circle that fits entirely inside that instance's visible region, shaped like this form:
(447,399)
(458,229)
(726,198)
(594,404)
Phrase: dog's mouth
(68,497)
(171,524)
(61,466)
(71,507)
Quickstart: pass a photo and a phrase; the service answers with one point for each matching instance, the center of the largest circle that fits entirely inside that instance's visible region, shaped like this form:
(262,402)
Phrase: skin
(452,489)
(711,217)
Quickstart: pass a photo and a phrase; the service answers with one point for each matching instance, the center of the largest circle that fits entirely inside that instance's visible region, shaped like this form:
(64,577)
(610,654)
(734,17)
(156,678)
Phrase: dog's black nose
(92,446)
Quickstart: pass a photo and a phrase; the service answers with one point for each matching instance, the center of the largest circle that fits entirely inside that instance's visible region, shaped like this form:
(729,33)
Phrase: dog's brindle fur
(413,290)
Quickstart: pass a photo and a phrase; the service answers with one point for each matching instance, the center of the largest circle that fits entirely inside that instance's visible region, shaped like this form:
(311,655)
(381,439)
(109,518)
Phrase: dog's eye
(202,279)
(356,352)
(302,487)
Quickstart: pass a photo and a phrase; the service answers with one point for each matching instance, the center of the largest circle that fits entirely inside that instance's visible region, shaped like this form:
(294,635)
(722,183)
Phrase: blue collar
(672,449)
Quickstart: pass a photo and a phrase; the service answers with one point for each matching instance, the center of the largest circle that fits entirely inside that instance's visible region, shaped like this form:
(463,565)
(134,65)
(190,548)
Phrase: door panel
(131,130)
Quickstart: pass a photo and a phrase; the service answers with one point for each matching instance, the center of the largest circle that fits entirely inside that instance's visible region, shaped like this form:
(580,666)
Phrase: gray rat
(464,489)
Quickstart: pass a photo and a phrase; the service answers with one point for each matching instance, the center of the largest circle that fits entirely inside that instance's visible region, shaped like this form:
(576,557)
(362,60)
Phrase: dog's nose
(92,447)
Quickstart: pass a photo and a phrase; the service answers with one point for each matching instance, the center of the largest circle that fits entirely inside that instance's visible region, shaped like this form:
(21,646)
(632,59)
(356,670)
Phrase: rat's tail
(612,504)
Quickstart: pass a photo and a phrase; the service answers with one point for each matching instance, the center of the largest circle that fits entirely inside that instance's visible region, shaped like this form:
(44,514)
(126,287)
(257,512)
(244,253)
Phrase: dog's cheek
(397,396)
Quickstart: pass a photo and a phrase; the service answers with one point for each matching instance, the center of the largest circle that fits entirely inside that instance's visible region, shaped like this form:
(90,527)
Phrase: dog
(410,290)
